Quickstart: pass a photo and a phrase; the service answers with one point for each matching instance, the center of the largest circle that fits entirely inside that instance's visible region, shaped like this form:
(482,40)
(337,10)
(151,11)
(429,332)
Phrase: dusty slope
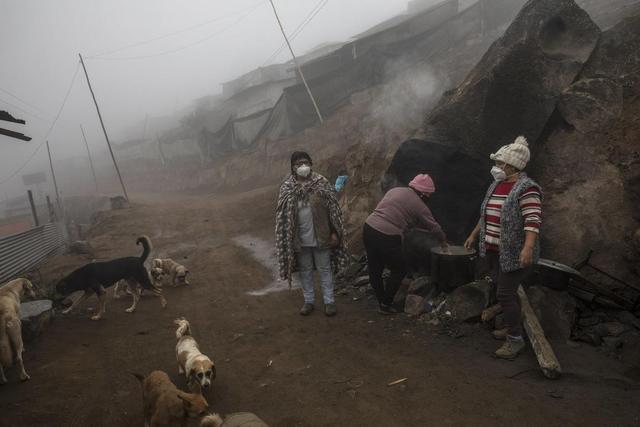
(324,371)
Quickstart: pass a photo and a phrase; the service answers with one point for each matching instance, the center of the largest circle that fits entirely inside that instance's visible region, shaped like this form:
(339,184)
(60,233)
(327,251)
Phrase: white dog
(197,367)
(10,326)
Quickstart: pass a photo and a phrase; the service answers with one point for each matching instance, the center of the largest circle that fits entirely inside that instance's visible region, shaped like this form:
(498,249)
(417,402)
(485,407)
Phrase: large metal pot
(554,275)
(452,268)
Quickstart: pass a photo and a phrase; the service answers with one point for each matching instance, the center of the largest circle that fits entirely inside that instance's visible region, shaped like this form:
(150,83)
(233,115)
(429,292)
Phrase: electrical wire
(24,111)
(210,36)
(306,21)
(164,36)
(44,140)
(24,102)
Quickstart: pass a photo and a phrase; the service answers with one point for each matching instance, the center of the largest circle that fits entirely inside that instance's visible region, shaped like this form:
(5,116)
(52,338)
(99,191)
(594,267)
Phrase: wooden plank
(7,117)
(544,353)
(13,134)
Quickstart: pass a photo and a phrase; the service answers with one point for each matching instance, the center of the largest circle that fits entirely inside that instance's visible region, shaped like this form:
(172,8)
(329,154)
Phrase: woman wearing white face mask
(309,230)
(508,229)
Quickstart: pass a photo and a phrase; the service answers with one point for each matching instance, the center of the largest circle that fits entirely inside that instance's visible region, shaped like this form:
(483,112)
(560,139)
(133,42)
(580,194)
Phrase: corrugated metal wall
(24,251)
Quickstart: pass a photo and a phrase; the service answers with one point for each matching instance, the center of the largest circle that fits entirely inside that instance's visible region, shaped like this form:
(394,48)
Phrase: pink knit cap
(423,183)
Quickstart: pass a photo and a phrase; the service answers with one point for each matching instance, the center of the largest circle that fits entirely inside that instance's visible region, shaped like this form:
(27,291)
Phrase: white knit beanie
(516,154)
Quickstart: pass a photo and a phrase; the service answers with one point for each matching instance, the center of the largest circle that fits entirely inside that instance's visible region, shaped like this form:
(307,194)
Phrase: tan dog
(135,290)
(177,273)
(197,367)
(165,405)
(10,326)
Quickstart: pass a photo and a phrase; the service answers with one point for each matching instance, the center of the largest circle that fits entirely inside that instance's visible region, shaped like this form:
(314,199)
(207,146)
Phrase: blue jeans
(322,258)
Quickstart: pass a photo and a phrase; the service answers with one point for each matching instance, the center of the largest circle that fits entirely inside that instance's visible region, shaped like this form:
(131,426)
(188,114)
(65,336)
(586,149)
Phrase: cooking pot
(452,267)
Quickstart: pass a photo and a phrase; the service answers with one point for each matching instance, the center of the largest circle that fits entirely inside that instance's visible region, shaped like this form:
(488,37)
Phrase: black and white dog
(97,276)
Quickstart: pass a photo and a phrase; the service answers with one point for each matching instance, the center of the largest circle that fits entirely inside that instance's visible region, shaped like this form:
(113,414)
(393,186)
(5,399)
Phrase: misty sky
(40,41)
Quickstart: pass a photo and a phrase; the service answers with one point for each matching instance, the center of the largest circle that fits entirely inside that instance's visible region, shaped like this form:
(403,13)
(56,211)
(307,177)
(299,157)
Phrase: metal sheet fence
(24,251)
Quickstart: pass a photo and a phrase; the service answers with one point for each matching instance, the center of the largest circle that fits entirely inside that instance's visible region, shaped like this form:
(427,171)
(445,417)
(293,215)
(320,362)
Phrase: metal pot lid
(557,266)
(453,251)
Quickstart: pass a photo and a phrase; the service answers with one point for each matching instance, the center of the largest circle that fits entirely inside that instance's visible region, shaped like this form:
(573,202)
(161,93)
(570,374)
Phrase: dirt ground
(290,370)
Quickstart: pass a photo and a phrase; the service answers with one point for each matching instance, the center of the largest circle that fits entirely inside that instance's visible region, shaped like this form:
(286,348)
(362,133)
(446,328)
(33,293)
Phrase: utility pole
(124,190)
(295,61)
(55,183)
(93,171)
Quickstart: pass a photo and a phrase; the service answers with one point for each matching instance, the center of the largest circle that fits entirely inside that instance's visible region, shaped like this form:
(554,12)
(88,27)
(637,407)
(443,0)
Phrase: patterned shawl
(291,192)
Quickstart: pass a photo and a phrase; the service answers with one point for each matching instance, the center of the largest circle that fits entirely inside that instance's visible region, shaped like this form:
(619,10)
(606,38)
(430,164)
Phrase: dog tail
(6,354)
(183,327)
(212,420)
(146,245)
(140,377)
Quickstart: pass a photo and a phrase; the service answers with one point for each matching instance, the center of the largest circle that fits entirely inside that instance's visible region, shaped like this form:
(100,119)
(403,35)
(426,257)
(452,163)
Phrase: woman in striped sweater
(508,230)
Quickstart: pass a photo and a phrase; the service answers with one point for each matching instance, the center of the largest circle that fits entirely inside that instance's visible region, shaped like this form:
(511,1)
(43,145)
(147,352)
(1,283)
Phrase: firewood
(544,353)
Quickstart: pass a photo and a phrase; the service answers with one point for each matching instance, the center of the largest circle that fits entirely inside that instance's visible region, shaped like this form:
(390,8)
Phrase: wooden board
(544,353)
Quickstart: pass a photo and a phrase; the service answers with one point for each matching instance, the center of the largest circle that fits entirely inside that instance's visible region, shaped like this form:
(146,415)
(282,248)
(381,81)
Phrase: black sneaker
(387,309)
(306,309)
(330,310)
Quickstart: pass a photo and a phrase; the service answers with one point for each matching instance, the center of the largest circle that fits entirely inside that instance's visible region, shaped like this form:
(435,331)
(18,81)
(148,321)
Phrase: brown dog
(165,405)
(10,326)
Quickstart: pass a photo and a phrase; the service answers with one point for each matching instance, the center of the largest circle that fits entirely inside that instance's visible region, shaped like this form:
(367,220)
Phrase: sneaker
(330,310)
(500,334)
(510,349)
(387,310)
(306,309)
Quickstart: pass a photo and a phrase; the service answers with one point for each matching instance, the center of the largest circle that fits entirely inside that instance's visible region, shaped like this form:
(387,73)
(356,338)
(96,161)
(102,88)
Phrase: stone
(611,329)
(35,317)
(421,286)
(591,104)
(467,302)
(556,311)
(351,271)
(361,281)
(588,321)
(414,305)
(628,318)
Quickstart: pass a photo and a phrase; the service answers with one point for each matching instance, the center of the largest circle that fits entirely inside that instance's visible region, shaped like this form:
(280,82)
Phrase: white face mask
(498,174)
(304,171)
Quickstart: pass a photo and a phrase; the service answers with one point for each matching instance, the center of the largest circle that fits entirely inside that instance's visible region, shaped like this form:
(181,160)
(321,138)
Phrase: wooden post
(93,171)
(55,183)
(295,61)
(104,130)
(33,208)
(52,212)
(162,158)
(544,353)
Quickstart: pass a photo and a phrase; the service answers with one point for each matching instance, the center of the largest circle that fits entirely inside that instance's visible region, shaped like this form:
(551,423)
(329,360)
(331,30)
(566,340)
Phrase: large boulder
(467,302)
(556,311)
(460,182)
(515,87)
(590,171)
(35,317)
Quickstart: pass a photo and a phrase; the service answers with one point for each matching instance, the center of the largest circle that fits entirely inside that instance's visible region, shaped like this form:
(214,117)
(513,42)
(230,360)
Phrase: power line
(24,111)
(23,101)
(64,101)
(164,36)
(241,18)
(306,21)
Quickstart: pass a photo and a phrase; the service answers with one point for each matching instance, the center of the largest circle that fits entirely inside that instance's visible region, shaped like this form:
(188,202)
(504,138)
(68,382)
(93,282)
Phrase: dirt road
(290,370)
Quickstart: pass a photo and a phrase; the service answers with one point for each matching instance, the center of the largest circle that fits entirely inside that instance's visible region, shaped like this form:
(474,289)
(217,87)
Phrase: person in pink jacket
(401,209)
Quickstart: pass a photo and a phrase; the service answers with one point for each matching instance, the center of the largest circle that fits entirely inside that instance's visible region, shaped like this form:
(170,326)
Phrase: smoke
(412,90)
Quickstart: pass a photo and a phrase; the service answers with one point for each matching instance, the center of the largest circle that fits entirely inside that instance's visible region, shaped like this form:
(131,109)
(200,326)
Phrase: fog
(148,57)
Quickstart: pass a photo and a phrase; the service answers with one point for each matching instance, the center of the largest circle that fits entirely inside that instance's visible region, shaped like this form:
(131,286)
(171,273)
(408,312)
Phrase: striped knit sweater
(530,207)
(512,224)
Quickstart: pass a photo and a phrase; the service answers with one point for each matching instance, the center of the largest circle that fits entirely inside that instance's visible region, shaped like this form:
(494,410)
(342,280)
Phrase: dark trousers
(507,292)
(384,251)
